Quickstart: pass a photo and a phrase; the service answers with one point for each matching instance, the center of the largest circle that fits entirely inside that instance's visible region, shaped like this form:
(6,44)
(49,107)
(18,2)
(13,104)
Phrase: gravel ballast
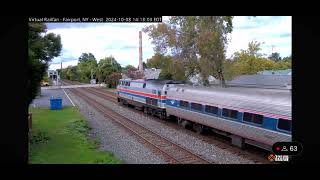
(114,138)
(209,151)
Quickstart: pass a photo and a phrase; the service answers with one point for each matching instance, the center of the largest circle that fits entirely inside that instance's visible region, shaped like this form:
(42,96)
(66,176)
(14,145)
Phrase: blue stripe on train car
(240,116)
(172,102)
(130,94)
(268,123)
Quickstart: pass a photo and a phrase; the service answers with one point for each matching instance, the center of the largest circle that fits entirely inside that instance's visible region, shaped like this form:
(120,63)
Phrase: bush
(39,137)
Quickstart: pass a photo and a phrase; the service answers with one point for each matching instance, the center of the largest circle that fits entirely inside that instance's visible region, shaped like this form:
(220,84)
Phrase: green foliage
(159,61)
(113,79)
(39,137)
(173,71)
(191,38)
(61,137)
(275,56)
(250,61)
(132,72)
(41,50)
(87,67)
(45,78)
(129,68)
(106,67)
(78,126)
(86,57)
(70,73)
(287,59)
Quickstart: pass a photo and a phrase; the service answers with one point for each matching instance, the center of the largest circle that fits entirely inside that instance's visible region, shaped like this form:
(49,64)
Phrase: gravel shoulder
(114,138)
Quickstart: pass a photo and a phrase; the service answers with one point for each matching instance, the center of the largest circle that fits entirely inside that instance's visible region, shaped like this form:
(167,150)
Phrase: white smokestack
(140,52)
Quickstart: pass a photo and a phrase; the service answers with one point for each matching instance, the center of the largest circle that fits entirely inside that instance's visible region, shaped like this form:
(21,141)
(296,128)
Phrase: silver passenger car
(260,117)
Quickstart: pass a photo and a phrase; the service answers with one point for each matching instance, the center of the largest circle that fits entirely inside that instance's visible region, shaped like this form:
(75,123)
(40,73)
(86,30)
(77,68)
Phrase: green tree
(72,73)
(87,67)
(86,57)
(106,67)
(250,61)
(275,57)
(175,71)
(113,79)
(159,61)
(191,39)
(287,59)
(42,48)
(171,69)
(254,48)
(132,72)
(128,68)
(45,78)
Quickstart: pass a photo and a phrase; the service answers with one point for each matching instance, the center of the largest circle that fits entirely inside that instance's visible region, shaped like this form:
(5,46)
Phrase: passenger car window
(196,106)
(184,104)
(211,109)
(254,118)
(230,113)
(284,124)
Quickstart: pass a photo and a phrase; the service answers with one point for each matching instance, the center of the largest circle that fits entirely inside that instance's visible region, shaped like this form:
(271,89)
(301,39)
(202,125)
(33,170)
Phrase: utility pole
(272,49)
(59,75)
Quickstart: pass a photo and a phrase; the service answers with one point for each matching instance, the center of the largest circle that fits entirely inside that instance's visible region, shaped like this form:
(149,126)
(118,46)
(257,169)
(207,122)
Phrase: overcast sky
(121,40)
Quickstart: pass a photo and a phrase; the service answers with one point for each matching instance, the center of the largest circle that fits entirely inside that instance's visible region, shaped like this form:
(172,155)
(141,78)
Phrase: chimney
(140,52)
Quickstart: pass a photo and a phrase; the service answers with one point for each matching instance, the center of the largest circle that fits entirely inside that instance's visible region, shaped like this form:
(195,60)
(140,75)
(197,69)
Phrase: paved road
(46,94)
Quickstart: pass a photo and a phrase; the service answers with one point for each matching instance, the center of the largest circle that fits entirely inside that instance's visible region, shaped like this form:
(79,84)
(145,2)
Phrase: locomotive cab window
(184,104)
(284,124)
(196,106)
(211,109)
(253,118)
(230,113)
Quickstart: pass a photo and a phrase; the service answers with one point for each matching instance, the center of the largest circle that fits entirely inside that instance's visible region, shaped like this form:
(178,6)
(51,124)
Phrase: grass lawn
(60,137)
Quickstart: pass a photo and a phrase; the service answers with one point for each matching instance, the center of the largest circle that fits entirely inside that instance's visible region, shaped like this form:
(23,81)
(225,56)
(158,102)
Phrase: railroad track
(103,94)
(258,156)
(172,152)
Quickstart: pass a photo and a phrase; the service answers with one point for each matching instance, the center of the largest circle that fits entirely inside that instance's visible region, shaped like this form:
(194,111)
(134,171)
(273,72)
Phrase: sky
(121,40)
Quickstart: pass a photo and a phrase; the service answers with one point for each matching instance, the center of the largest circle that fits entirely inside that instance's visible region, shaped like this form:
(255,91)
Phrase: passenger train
(259,117)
